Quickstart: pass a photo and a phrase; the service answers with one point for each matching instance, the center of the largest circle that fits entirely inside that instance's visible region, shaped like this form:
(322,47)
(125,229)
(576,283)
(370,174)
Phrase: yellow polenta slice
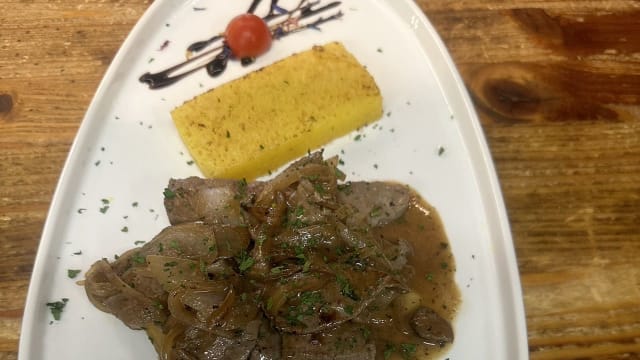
(253,125)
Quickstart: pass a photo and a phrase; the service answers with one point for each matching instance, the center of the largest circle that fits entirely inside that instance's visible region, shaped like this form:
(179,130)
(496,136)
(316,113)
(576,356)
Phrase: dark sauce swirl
(216,66)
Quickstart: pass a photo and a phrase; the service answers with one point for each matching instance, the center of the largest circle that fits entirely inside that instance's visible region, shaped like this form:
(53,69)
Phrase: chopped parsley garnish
(375,212)
(168,194)
(72,273)
(124,229)
(388,350)
(158,305)
(245,262)
(348,309)
(174,245)
(134,204)
(311,297)
(242,189)
(79,252)
(57,307)
(444,265)
(276,270)
(408,350)
(429,276)
(81,210)
(366,332)
(139,242)
(139,259)
(309,301)
(358,137)
(346,289)
(104,209)
(319,188)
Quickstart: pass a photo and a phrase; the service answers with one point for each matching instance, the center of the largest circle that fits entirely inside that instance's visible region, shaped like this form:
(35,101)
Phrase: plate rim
(482,165)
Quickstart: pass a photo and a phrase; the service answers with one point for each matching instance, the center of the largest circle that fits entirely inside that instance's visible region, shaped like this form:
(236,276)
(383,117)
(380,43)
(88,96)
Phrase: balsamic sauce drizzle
(216,66)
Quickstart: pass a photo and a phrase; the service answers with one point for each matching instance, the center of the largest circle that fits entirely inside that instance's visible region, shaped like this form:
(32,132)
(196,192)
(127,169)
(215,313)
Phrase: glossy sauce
(430,273)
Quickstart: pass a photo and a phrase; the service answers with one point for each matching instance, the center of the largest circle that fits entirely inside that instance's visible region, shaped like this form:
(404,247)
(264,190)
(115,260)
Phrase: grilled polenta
(255,124)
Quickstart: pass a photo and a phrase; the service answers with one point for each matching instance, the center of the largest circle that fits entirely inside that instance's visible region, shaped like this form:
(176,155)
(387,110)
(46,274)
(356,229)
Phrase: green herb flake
(190,162)
(319,188)
(72,273)
(124,229)
(134,204)
(79,252)
(81,210)
(348,310)
(366,333)
(57,307)
(276,270)
(158,305)
(246,264)
(104,209)
(174,245)
(357,138)
(168,194)
(242,189)
(375,212)
(388,350)
(444,265)
(429,276)
(408,350)
(346,289)
(139,242)
(138,259)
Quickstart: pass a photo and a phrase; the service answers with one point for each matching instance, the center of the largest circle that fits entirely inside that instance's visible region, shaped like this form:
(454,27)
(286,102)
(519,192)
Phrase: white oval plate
(127,148)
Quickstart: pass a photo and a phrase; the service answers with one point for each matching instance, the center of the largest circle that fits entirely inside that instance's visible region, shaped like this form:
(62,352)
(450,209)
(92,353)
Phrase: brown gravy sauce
(431,270)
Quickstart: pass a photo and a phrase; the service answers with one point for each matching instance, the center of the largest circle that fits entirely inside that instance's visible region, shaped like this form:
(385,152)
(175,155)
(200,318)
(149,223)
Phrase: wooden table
(556,85)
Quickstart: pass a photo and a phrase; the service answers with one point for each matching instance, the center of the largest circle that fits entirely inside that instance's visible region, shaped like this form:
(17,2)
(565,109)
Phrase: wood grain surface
(555,83)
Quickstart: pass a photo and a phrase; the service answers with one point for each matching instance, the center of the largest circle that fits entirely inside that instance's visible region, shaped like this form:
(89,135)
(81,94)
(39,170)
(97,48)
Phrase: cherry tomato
(248,36)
